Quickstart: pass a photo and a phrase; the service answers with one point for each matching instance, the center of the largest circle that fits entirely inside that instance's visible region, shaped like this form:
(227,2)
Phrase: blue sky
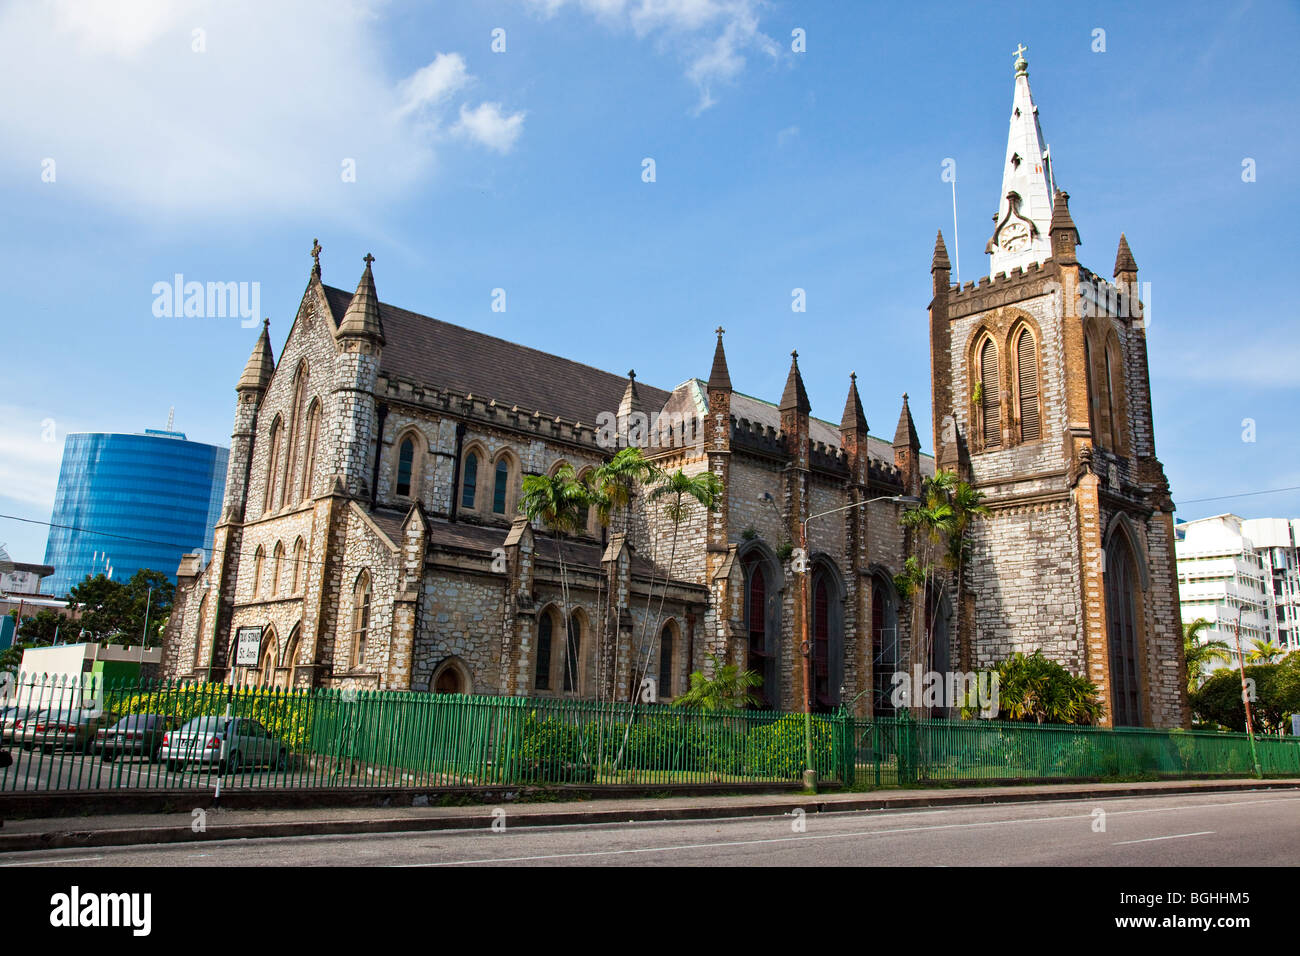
(220,154)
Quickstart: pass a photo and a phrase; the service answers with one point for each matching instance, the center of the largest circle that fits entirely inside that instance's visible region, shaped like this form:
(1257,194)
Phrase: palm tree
(1198,652)
(705,489)
(966,503)
(1265,652)
(559,502)
(727,689)
(933,519)
(611,490)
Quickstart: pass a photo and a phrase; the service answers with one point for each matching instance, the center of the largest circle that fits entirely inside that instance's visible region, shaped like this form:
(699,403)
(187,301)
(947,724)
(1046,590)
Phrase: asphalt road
(1216,829)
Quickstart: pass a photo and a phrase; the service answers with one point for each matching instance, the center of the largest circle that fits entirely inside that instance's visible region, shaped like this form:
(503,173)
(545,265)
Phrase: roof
(429,351)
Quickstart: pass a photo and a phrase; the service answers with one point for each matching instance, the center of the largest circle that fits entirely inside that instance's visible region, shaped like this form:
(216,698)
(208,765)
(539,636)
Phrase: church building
(370,535)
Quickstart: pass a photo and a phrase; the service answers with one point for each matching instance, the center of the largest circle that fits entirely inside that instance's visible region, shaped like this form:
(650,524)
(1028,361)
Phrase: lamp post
(805,645)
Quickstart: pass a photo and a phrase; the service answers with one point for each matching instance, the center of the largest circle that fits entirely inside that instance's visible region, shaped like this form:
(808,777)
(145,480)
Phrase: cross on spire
(368,259)
(315,256)
(719,330)
(1020,51)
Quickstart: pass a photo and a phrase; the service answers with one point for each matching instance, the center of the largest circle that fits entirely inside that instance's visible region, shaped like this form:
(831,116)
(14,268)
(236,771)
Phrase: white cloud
(255,114)
(487,125)
(712,36)
(432,85)
(29,465)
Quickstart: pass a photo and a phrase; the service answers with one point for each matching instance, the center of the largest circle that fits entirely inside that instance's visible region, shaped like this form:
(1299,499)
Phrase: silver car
(11,716)
(229,743)
(62,728)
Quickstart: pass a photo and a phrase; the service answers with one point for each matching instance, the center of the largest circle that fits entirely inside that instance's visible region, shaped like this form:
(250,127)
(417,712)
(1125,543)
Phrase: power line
(1243,494)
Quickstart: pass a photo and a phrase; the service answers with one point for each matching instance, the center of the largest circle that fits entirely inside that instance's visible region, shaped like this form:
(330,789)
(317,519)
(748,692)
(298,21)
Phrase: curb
(74,839)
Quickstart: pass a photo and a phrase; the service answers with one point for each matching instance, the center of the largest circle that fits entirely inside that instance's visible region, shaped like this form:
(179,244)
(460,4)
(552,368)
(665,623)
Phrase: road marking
(828,836)
(1176,836)
(75,859)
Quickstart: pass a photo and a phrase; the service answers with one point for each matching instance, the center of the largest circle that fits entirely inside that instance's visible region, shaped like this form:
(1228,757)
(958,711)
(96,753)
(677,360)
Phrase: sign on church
(248,643)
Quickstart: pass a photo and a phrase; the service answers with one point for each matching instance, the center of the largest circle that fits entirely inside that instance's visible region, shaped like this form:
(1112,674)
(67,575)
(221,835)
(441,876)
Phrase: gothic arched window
(405,462)
(309,454)
(259,561)
(293,466)
(469,484)
(542,666)
(761,627)
(360,618)
(573,655)
(299,556)
(884,649)
(500,486)
(1027,386)
(666,661)
(991,396)
(277,562)
(273,468)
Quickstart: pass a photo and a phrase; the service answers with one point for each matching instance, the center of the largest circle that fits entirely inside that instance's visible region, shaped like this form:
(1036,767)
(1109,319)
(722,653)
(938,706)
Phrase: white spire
(1021,225)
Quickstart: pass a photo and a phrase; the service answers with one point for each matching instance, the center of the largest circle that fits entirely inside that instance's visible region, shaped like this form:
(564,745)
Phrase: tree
(1198,653)
(1264,651)
(679,489)
(45,626)
(966,503)
(1277,696)
(728,689)
(1038,690)
(116,610)
(559,502)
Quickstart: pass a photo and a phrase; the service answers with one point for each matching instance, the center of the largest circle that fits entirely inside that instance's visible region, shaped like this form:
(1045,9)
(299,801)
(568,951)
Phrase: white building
(1232,569)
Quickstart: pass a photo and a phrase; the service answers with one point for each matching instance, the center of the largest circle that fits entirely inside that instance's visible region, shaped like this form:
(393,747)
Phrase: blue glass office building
(130,502)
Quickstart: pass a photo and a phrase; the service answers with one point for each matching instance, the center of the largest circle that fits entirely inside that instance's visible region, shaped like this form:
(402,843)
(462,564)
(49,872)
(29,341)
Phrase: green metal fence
(78,735)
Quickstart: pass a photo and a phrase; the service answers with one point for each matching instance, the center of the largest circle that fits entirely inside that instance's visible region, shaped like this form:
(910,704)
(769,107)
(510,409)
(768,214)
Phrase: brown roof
(431,352)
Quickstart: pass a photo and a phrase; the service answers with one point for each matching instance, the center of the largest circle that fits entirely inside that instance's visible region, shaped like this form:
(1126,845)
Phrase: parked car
(11,716)
(62,728)
(230,743)
(135,735)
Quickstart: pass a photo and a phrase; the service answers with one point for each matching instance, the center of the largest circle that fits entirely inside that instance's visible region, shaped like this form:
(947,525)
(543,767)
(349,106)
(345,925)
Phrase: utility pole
(1245,696)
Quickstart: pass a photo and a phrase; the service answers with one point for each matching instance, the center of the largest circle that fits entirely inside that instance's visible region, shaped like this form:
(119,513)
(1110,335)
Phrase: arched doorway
(451,677)
(1123,597)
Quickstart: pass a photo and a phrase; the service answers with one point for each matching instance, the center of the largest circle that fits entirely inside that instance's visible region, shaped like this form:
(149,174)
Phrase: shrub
(778,749)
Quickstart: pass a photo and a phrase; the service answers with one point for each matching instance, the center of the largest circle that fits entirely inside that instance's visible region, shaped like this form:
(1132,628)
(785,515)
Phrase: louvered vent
(1029,422)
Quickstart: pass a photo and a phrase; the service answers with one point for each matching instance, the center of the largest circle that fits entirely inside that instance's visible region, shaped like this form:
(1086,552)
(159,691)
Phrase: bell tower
(1042,401)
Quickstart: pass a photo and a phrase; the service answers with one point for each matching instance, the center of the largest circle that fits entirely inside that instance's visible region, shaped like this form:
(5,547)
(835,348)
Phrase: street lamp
(805,647)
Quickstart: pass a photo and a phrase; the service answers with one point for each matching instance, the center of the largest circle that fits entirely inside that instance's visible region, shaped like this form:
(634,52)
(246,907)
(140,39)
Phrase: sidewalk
(220,824)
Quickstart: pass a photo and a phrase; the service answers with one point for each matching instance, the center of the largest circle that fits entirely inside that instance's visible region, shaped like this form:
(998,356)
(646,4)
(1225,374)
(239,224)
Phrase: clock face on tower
(1014,237)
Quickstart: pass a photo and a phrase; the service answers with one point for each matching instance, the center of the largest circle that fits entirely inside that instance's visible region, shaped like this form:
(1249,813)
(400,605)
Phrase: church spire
(257,373)
(719,377)
(1020,227)
(362,315)
(854,416)
(795,396)
(905,434)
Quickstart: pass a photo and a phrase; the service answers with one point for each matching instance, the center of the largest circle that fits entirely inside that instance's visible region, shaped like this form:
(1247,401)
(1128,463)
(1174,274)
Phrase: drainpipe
(455,470)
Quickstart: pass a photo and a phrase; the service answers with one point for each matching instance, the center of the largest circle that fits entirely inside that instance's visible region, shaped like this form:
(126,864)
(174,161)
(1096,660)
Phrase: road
(1217,829)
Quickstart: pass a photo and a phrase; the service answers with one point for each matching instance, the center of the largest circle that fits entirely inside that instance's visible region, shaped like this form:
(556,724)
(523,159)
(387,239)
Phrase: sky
(504,145)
